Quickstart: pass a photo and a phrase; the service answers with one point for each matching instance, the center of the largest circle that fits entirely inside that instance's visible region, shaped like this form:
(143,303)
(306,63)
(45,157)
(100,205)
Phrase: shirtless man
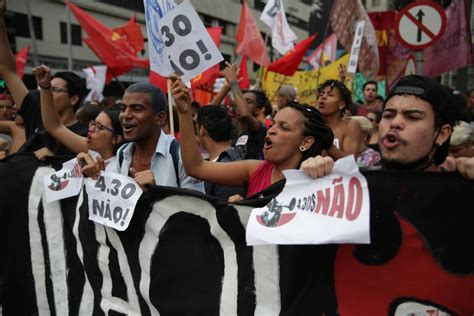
(334,98)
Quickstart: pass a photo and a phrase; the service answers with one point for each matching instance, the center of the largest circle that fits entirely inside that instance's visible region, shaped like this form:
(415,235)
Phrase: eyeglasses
(58,90)
(96,126)
(6,107)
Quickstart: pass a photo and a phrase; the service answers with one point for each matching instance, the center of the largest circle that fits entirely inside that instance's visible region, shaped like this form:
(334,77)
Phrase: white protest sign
(65,183)
(355,50)
(332,209)
(112,199)
(182,45)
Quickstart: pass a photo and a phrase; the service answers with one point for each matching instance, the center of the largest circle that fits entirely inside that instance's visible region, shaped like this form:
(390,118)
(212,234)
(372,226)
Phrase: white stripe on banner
(108,301)
(53,222)
(87,301)
(133,303)
(103,261)
(160,214)
(37,254)
(266,270)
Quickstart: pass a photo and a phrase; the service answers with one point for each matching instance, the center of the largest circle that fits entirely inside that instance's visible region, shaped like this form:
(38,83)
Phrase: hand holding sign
(180,94)
(143,178)
(90,167)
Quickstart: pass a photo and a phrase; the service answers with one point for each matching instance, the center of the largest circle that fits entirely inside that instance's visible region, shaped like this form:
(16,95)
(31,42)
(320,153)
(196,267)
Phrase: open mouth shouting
(391,140)
(268,144)
(128,128)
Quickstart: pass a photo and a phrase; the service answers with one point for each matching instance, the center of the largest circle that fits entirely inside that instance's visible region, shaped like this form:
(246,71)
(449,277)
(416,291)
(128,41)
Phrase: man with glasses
(68,90)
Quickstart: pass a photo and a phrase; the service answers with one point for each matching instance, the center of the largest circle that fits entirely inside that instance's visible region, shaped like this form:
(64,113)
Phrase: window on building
(22,29)
(210,21)
(76,34)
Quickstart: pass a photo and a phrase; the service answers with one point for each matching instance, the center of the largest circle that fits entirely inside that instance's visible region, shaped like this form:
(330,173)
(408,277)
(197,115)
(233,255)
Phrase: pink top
(260,179)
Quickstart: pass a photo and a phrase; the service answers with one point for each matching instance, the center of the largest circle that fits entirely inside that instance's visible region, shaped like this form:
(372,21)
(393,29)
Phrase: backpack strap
(120,154)
(174,152)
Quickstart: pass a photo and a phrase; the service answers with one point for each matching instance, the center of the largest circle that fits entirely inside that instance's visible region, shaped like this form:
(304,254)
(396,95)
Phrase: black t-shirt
(30,112)
(37,137)
(224,191)
(44,139)
(251,142)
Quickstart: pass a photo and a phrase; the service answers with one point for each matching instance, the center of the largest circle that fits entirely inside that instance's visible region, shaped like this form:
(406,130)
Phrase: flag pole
(32,33)
(170,108)
(322,52)
(259,79)
(69,40)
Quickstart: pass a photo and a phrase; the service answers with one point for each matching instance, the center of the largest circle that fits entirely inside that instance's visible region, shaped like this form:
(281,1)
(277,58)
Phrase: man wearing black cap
(415,129)
(416,125)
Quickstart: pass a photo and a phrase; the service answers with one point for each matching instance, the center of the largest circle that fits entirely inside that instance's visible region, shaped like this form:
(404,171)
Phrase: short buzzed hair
(157,97)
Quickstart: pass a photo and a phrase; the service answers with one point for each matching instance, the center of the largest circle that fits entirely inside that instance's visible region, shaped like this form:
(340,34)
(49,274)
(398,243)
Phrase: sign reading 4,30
(126,192)
(112,199)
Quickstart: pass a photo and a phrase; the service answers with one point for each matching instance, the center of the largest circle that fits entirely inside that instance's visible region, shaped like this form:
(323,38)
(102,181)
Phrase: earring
(302,148)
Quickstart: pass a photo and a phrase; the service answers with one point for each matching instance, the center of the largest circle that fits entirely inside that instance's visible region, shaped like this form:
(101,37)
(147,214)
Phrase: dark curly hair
(345,92)
(261,100)
(315,126)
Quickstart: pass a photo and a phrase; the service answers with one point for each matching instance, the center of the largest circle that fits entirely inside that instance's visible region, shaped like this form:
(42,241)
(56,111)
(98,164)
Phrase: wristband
(234,83)
(43,87)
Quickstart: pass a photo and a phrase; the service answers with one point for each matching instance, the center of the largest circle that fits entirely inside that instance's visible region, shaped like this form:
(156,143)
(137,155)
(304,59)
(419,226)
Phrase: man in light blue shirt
(150,156)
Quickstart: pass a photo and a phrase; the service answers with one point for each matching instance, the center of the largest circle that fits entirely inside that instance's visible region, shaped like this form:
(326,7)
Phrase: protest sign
(65,183)
(180,44)
(355,50)
(332,209)
(305,82)
(112,199)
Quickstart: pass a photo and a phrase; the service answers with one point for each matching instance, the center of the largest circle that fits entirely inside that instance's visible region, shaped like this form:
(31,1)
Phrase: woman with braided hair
(333,100)
(298,133)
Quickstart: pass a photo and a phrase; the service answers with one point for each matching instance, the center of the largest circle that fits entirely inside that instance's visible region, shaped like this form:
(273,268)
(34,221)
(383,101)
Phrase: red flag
(249,40)
(111,71)
(384,23)
(453,49)
(206,79)
(159,81)
(109,46)
(20,59)
(288,64)
(244,74)
(133,32)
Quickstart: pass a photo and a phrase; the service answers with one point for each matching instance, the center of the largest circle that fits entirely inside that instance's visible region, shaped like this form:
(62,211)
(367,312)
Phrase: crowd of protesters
(420,126)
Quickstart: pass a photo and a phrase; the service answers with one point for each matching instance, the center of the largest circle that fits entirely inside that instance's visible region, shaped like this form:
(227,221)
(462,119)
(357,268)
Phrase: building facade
(50,19)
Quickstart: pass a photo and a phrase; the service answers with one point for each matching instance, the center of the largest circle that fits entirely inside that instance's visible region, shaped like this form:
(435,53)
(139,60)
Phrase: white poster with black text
(112,199)
(183,45)
(332,209)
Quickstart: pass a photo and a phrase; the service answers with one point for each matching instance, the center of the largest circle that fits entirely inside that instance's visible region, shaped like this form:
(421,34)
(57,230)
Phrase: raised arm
(7,62)
(230,74)
(221,94)
(50,117)
(16,132)
(228,173)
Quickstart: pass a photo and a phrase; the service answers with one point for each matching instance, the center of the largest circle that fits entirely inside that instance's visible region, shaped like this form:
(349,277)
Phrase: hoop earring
(302,148)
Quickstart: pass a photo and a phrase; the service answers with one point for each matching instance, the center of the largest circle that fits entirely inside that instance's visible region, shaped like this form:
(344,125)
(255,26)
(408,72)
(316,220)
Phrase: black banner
(185,254)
